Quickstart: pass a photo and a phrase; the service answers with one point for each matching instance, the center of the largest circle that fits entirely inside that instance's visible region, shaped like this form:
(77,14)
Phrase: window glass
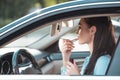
(30,38)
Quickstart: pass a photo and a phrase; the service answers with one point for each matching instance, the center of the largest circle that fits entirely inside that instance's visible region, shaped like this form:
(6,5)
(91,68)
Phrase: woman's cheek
(81,37)
(81,41)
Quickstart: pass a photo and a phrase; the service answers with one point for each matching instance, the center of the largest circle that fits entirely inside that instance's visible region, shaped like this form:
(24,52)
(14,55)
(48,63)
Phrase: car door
(49,17)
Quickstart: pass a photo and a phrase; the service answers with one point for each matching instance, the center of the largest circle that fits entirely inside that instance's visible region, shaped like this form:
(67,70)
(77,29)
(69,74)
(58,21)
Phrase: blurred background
(11,10)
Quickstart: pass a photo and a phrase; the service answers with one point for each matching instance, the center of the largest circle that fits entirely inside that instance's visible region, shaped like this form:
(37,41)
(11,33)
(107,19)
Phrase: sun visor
(56,27)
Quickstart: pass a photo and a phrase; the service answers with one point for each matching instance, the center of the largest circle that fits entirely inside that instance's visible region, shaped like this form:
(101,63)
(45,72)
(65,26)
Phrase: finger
(68,67)
(68,42)
(70,64)
(69,46)
(75,63)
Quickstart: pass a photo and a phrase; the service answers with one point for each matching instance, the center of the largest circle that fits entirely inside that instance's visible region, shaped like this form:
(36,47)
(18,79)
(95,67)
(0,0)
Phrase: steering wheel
(24,53)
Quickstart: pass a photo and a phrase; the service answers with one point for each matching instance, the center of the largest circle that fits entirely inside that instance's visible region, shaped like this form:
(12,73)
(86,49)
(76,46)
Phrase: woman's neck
(90,45)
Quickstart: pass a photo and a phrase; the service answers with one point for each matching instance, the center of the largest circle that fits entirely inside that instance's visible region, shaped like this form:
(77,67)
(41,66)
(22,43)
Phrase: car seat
(114,66)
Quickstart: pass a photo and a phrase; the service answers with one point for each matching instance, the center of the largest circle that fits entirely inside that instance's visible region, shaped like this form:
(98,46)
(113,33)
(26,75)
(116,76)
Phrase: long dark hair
(104,41)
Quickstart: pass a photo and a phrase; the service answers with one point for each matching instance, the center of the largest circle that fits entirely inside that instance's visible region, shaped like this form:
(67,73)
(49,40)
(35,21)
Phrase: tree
(14,8)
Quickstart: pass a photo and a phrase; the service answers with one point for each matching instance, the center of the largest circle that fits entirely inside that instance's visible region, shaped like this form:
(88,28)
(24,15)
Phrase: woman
(98,33)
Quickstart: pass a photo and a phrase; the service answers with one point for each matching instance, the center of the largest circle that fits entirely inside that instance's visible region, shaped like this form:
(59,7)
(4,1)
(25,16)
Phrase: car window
(44,35)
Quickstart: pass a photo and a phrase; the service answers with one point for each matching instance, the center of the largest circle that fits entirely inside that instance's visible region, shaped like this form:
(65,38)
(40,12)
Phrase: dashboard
(25,65)
(6,63)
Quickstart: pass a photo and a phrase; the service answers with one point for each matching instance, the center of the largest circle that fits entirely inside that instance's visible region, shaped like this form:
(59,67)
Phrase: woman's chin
(81,42)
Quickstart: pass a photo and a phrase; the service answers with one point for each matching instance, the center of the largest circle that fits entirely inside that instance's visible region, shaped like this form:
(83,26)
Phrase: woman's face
(83,33)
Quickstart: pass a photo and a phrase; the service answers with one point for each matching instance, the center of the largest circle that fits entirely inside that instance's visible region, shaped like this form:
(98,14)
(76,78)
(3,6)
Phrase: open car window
(66,31)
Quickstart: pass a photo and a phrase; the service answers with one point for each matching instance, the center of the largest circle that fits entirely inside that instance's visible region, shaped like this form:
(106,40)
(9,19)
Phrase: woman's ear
(93,30)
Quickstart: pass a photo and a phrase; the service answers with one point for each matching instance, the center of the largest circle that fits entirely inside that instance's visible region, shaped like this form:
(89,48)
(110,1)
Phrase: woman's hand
(67,46)
(66,49)
(72,69)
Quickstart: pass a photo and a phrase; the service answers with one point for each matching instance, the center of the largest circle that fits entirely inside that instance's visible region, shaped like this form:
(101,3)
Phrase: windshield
(30,38)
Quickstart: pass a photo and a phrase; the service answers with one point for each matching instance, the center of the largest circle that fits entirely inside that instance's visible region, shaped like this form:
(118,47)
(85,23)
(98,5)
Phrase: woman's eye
(79,28)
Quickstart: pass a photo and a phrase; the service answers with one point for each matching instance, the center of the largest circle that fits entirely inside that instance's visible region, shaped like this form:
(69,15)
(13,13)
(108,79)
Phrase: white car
(30,45)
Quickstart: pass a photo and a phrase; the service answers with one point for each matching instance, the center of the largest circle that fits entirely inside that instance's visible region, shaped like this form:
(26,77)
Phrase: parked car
(30,45)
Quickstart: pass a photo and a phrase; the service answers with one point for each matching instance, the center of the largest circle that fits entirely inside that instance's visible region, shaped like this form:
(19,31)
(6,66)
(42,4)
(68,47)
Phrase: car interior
(38,51)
